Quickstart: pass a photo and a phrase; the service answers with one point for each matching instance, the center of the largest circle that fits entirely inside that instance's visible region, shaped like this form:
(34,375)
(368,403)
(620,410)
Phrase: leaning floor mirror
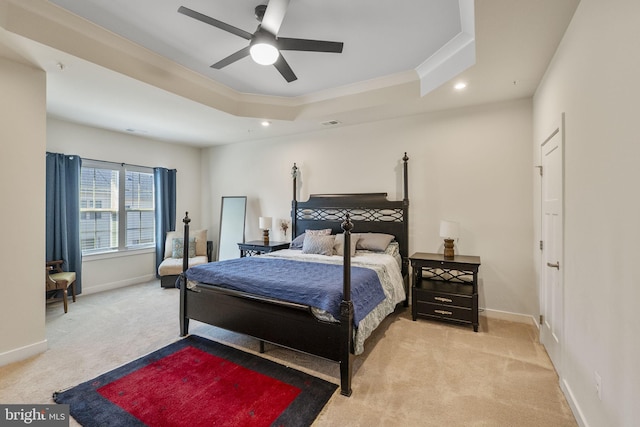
(232,218)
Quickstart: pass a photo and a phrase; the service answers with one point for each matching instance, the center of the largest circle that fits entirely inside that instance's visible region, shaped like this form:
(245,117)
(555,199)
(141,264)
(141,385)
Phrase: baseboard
(88,290)
(571,400)
(512,317)
(22,353)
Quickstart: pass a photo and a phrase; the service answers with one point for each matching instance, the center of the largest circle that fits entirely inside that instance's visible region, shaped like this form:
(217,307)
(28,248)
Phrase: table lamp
(265,225)
(449,231)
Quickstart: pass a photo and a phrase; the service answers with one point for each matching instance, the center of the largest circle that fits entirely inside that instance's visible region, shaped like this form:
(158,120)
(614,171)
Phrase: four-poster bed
(297,325)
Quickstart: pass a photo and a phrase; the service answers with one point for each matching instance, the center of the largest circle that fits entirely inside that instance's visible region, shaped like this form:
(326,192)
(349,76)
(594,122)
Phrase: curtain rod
(114,163)
(123,164)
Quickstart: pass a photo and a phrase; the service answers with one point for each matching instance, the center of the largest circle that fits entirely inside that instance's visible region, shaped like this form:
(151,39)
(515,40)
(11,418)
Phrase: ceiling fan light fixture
(264,44)
(264,53)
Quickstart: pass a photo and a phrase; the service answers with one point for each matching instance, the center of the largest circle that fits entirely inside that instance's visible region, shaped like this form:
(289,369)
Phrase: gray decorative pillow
(321,245)
(374,241)
(177,245)
(338,246)
(297,242)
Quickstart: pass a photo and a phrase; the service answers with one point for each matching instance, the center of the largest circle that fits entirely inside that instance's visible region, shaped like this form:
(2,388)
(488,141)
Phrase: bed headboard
(369,213)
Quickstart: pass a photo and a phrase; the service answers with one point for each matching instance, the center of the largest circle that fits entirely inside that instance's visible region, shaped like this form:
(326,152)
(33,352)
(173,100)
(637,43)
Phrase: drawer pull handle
(447,313)
(441,299)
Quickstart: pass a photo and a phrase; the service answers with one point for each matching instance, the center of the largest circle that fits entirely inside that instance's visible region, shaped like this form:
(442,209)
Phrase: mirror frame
(232,226)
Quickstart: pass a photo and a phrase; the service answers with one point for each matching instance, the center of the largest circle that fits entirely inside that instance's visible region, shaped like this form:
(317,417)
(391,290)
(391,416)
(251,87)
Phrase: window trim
(122,248)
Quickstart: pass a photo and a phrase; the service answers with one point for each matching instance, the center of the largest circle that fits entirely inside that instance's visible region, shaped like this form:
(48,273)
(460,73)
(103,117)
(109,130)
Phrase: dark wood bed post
(405,205)
(184,320)
(405,164)
(294,202)
(346,314)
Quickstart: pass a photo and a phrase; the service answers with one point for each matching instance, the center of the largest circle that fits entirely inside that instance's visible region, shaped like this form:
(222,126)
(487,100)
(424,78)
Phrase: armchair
(200,252)
(58,280)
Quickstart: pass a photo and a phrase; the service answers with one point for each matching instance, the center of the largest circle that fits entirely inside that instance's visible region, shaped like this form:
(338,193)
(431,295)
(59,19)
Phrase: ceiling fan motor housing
(259,11)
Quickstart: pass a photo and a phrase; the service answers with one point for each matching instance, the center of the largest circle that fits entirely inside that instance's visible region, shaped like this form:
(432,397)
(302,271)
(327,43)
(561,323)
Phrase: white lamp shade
(264,53)
(449,229)
(265,222)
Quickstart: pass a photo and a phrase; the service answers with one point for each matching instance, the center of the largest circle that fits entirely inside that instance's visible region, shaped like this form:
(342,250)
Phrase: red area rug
(197,382)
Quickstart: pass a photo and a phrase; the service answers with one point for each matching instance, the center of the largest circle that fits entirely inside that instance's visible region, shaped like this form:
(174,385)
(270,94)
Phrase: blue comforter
(309,283)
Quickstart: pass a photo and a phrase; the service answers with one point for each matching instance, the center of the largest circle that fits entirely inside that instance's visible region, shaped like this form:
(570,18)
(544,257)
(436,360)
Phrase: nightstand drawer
(443,299)
(442,292)
(444,311)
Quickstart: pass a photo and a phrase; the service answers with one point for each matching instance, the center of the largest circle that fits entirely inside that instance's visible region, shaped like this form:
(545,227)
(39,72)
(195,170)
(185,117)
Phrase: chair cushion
(171,266)
(68,276)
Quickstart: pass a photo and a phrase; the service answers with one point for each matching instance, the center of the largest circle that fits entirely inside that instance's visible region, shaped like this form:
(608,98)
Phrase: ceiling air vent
(331,123)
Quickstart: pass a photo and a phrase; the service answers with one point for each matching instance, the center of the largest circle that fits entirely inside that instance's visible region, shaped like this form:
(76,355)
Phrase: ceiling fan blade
(274,15)
(218,24)
(285,43)
(283,66)
(231,58)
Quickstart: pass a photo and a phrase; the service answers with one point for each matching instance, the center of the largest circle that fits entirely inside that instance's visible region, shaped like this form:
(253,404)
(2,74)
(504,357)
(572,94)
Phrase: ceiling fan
(264,44)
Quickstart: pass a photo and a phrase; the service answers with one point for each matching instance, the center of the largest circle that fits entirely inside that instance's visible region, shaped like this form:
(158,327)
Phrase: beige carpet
(412,373)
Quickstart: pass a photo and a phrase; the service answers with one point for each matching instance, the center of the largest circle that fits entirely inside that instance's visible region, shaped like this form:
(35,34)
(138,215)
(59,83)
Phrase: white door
(552,287)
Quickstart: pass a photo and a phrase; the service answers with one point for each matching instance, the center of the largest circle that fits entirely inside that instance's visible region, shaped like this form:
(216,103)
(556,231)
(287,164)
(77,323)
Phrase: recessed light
(265,123)
(460,86)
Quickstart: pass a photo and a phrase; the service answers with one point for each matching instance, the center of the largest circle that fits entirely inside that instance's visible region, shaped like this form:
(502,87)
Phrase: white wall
(22,173)
(594,80)
(101,273)
(472,165)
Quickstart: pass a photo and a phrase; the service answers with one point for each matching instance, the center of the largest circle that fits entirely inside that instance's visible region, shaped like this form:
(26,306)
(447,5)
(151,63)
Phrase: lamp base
(448,249)
(265,236)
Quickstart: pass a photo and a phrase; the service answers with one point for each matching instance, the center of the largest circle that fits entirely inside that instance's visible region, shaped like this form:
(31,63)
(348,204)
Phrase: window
(117,207)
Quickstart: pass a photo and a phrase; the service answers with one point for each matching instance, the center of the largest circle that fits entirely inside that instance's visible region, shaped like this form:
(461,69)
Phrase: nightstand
(257,247)
(445,289)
